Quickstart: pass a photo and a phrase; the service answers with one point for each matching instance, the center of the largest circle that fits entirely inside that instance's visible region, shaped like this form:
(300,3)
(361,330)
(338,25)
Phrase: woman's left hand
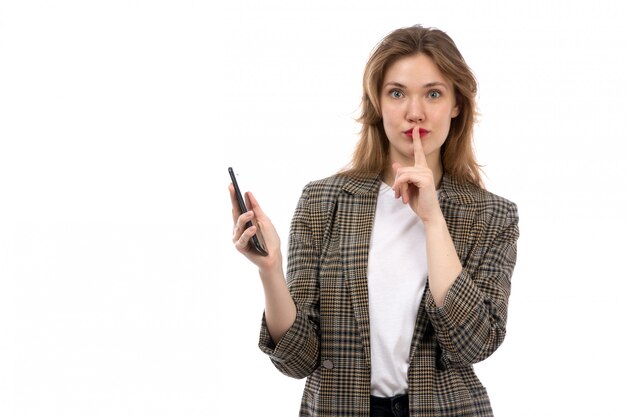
(416,184)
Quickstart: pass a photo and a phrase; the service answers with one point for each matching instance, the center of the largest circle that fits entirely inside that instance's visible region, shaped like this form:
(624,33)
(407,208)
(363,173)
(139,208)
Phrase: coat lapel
(356,207)
(457,204)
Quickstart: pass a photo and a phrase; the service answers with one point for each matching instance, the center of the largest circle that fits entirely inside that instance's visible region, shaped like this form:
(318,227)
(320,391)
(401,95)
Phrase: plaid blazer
(329,342)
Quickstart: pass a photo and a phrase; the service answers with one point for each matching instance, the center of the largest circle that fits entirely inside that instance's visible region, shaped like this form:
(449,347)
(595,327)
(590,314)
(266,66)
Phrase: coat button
(328,364)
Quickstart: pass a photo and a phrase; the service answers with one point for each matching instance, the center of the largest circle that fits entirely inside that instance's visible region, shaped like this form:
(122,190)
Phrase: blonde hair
(457,153)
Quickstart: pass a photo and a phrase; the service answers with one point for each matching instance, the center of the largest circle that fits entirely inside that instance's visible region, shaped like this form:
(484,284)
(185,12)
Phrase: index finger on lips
(418,150)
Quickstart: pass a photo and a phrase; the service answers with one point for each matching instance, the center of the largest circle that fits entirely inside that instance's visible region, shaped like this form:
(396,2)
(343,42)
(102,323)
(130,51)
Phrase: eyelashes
(431,94)
(396,93)
(434,94)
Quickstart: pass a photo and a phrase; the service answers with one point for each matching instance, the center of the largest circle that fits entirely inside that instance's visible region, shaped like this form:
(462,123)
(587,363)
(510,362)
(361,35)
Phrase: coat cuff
(461,301)
(297,346)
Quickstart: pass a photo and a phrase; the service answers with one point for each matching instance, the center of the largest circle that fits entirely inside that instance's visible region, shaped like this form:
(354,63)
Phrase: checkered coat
(329,342)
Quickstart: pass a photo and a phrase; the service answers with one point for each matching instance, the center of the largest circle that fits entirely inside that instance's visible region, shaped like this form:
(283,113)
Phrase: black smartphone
(257,242)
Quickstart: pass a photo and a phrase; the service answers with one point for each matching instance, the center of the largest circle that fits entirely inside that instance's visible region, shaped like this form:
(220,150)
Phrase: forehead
(420,69)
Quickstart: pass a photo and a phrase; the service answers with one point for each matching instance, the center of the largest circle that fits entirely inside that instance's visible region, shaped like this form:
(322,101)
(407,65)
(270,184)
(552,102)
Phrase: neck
(437,173)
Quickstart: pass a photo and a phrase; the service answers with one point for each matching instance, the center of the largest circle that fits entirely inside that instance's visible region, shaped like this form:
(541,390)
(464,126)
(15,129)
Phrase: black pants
(397,406)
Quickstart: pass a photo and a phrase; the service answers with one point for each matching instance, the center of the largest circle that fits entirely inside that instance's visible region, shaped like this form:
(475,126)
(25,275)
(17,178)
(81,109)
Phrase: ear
(456,110)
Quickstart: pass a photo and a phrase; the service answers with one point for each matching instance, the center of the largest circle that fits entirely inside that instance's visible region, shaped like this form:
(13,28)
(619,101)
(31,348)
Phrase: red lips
(422,132)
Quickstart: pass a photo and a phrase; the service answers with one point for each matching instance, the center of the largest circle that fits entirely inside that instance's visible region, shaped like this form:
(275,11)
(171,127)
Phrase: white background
(120,291)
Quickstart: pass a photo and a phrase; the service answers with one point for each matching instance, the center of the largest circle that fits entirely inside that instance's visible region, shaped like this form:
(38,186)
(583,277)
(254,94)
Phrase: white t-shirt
(397,273)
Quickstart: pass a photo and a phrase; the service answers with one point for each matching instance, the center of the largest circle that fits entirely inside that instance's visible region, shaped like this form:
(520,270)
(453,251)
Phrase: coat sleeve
(297,353)
(471,324)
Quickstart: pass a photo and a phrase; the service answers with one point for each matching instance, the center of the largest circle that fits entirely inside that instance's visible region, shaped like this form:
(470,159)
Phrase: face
(415,93)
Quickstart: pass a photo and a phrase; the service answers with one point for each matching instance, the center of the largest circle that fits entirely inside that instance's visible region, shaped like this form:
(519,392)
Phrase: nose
(415,111)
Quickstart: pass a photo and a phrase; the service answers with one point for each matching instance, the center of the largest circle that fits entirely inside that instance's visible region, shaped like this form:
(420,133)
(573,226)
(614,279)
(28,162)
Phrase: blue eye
(395,93)
(434,94)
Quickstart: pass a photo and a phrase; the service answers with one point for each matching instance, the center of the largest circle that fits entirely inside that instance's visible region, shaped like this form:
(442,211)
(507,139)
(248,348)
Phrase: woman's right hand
(242,236)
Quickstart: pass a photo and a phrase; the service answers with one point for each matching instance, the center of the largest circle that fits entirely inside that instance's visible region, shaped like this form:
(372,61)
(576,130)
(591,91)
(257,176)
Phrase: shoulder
(486,199)
(318,202)
(333,185)
(457,193)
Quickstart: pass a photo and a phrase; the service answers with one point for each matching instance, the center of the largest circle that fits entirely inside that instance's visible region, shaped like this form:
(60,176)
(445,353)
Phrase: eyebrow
(427,85)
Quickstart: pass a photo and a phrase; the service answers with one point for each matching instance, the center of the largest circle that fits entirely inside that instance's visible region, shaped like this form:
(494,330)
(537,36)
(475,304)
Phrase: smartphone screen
(257,242)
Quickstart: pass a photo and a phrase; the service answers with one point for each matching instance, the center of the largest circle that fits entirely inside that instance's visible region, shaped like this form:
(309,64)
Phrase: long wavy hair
(370,156)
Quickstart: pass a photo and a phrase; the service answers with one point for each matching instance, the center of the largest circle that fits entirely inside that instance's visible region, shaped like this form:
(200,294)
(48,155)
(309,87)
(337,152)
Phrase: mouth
(422,132)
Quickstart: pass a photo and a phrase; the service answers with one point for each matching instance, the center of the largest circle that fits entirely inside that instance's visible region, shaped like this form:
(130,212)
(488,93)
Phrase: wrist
(271,270)
(434,220)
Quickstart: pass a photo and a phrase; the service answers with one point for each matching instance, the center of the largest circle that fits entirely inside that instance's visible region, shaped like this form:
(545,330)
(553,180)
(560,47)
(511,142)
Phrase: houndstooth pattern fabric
(329,342)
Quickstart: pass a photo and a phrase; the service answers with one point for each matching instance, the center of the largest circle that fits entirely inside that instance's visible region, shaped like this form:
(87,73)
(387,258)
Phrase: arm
(444,265)
(296,354)
(289,328)
(280,310)
(471,323)
(467,304)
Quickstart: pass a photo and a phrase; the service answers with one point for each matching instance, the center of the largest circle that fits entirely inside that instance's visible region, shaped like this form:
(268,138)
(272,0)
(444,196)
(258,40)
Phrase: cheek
(386,127)
(386,118)
(444,116)
(384,113)
(389,116)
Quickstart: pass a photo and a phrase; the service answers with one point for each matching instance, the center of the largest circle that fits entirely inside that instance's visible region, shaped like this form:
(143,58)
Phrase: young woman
(399,267)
